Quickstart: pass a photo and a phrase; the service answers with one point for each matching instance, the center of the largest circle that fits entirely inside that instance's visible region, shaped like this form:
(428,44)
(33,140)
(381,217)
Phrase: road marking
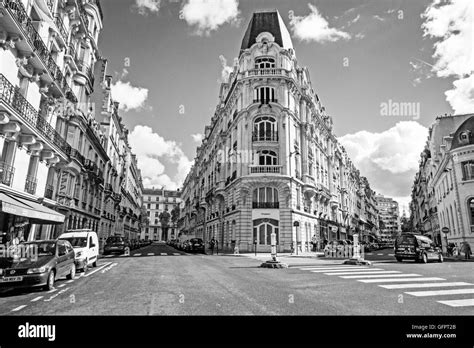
(391,254)
(177,254)
(349,274)
(459,303)
(18,308)
(97,269)
(382,276)
(137,255)
(108,255)
(440,292)
(37,299)
(151,254)
(62,285)
(164,254)
(394,280)
(70,281)
(369,254)
(326,267)
(423,285)
(348,269)
(52,290)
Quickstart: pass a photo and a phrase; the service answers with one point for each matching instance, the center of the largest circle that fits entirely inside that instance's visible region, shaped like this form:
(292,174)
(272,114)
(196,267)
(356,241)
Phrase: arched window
(265,129)
(265,197)
(470,207)
(264,95)
(263,229)
(267,158)
(264,63)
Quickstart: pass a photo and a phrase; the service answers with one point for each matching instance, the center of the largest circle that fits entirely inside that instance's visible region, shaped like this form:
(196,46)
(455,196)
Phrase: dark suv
(116,244)
(195,245)
(410,246)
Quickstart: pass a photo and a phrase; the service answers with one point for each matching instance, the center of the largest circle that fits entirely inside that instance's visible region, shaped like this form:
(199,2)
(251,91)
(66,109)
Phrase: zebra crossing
(396,280)
(148,254)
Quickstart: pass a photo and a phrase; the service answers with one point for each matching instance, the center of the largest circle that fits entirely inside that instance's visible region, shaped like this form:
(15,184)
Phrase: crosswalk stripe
(423,285)
(358,271)
(440,292)
(379,254)
(370,275)
(18,308)
(391,254)
(138,254)
(459,303)
(394,280)
(164,254)
(37,299)
(177,254)
(348,269)
(326,266)
(151,254)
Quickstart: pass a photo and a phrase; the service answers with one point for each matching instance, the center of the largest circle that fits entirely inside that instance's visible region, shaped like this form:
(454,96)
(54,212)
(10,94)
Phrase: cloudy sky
(383,69)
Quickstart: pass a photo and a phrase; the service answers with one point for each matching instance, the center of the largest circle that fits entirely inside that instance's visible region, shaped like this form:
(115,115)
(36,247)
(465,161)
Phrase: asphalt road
(159,280)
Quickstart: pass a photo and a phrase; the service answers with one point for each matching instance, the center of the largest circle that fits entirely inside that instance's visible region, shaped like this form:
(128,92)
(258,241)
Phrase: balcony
(30,185)
(60,25)
(266,101)
(19,15)
(265,136)
(265,205)
(11,96)
(77,156)
(85,70)
(48,191)
(265,169)
(270,72)
(6,173)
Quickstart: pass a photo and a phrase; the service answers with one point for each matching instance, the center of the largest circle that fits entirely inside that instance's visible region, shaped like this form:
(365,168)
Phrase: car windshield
(114,240)
(77,242)
(196,240)
(406,239)
(44,248)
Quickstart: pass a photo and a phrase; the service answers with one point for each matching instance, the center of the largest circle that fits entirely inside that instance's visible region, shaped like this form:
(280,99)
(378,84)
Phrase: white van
(86,247)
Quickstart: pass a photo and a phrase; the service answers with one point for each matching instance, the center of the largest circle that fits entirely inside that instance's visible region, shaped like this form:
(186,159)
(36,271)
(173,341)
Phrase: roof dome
(464,135)
(266,21)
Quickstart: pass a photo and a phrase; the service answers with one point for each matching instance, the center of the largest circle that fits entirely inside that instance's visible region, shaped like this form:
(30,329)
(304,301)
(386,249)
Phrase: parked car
(54,259)
(134,244)
(416,247)
(196,245)
(116,244)
(86,247)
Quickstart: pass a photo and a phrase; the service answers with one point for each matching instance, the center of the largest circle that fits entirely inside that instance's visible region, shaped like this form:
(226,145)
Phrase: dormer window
(464,137)
(264,63)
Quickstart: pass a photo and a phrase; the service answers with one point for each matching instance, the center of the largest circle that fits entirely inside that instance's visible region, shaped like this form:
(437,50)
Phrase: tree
(165,221)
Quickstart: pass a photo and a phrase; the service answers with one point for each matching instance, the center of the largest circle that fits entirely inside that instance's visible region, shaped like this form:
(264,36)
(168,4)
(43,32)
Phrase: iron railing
(60,24)
(265,205)
(12,97)
(30,184)
(18,12)
(265,136)
(6,173)
(265,169)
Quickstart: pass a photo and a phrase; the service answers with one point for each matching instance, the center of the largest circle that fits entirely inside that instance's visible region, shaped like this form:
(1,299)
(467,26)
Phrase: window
(471,210)
(264,95)
(310,162)
(265,129)
(267,158)
(265,197)
(156,214)
(468,170)
(264,63)
(61,249)
(148,206)
(262,231)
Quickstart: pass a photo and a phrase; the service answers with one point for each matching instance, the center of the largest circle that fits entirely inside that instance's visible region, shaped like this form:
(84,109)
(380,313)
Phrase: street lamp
(296,152)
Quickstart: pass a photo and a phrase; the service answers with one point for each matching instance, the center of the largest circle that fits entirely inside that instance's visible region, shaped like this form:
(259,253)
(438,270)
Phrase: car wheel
(50,282)
(94,264)
(424,258)
(73,272)
(399,259)
(440,258)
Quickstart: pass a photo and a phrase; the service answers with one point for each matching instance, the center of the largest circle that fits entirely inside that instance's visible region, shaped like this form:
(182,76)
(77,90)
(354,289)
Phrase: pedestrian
(466,249)
(216,244)
(211,245)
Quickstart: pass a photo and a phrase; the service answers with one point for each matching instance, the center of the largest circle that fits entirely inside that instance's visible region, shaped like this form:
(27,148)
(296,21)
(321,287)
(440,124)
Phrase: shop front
(25,220)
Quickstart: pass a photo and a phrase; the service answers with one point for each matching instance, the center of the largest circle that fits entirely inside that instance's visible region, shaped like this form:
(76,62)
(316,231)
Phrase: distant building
(389,215)
(159,204)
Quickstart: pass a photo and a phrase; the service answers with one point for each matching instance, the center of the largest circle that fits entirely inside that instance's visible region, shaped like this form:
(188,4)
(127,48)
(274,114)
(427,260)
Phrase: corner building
(269,161)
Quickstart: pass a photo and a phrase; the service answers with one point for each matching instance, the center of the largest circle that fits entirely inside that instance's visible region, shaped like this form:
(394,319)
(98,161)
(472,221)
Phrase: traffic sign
(445,230)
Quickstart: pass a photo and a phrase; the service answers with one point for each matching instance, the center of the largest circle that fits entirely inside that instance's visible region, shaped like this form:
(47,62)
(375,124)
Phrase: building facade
(446,178)
(389,214)
(55,152)
(162,207)
(269,160)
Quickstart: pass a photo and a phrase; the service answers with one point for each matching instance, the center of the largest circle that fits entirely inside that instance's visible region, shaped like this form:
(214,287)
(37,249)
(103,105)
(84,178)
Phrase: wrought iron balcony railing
(60,24)
(27,114)
(76,155)
(265,169)
(265,205)
(30,184)
(6,173)
(19,14)
(265,136)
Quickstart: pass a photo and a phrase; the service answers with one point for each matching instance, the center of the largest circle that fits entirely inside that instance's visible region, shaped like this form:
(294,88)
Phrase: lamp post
(291,185)
(445,230)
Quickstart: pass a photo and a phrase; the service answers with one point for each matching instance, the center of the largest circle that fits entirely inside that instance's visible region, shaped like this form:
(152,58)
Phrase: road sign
(445,230)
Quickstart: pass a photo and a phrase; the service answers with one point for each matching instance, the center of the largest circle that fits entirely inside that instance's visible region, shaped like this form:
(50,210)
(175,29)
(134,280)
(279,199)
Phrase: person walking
(212,245)
(466,249)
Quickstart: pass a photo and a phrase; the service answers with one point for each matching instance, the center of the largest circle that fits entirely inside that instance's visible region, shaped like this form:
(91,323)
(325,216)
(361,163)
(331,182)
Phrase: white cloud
(145,6)
(197,137)
(355,20)
(314,27)
(151,150)
(388,159)
(209,15)
(450,24)
(226,70)
(377,17)
(128,96)
(359,36)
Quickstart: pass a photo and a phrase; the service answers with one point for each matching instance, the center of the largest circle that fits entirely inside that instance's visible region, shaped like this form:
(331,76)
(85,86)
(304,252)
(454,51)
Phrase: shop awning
(37,213)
